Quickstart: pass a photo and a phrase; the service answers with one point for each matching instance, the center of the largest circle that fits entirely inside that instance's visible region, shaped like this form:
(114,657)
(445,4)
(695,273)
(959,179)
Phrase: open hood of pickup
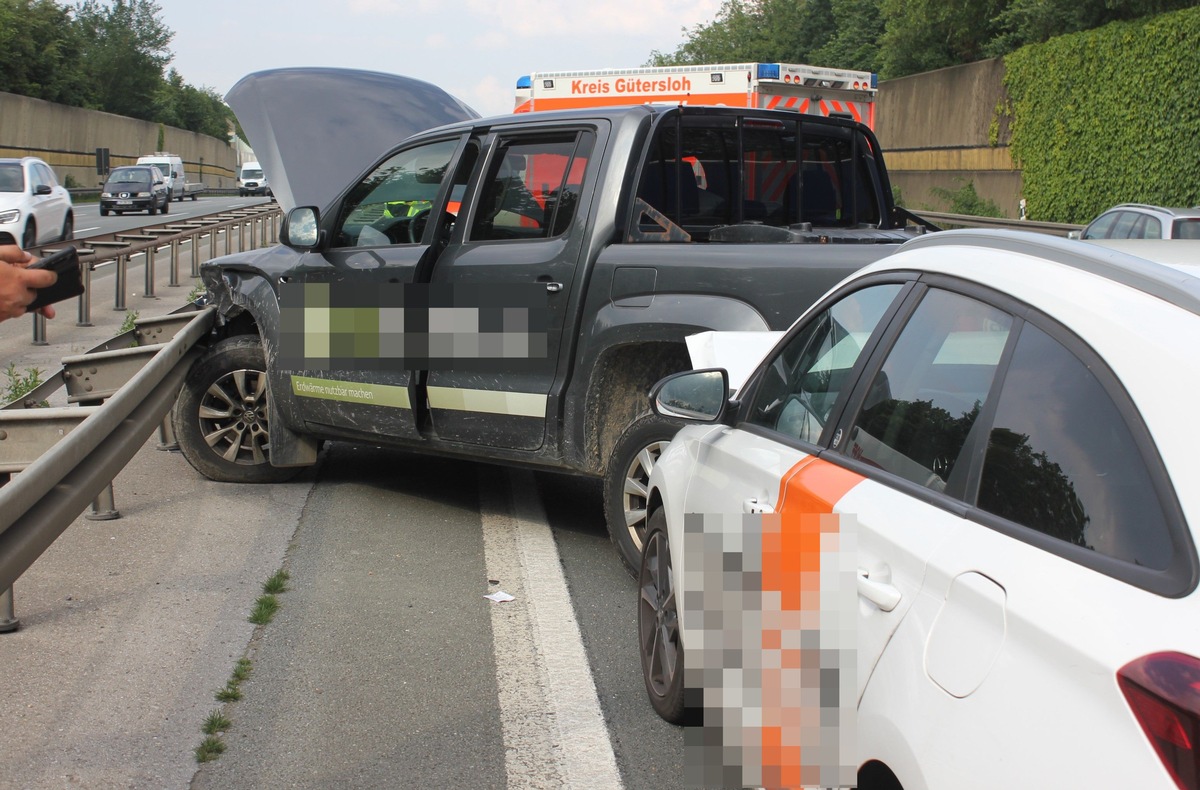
(314,129)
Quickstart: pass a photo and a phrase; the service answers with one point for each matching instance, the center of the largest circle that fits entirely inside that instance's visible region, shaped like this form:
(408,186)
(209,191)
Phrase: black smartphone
(64,263)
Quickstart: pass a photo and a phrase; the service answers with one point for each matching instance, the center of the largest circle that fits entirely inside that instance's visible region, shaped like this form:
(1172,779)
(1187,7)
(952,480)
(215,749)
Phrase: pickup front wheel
(222,420)
(626,484)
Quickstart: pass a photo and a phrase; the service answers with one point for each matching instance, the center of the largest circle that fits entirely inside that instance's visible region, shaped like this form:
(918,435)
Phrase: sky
(475,49)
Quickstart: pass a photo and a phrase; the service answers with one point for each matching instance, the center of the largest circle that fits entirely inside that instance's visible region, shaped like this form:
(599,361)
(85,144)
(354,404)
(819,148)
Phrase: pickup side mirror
(694,395)
(301,228)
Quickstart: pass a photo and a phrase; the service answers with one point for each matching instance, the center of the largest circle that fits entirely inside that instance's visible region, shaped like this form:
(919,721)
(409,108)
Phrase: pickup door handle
(884,595)
(553,287)
(756,505)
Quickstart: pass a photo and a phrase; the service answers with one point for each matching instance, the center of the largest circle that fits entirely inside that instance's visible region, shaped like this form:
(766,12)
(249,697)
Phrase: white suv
(34,208)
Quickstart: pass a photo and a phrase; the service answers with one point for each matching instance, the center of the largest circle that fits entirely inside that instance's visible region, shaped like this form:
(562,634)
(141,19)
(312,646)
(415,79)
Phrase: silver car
(1141,221)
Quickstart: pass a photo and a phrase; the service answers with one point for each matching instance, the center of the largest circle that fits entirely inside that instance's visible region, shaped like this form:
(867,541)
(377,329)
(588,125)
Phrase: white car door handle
(882,594)
(756,505)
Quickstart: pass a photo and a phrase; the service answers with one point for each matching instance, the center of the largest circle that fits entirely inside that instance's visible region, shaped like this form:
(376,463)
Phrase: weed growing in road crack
(217,722)
(209,749)
(264,609)
(277,583)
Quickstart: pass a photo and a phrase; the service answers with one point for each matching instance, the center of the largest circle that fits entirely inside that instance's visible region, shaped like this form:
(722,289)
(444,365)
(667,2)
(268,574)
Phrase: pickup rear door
(501,289)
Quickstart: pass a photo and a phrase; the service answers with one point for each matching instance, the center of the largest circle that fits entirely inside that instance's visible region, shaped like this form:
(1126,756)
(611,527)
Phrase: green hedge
(1108,116)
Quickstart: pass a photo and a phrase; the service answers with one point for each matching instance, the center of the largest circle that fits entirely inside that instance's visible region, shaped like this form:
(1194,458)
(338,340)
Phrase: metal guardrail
(971,221)
(66,458)
(117,249)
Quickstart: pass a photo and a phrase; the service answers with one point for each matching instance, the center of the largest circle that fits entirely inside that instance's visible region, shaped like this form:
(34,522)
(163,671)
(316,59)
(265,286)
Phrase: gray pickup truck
(508,289)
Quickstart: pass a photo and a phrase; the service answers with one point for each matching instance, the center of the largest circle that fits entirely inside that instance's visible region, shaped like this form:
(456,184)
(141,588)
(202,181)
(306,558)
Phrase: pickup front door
(345,330)
(500,292)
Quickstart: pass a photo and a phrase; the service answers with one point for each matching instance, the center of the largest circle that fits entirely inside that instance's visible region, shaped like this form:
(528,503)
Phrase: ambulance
(784,86)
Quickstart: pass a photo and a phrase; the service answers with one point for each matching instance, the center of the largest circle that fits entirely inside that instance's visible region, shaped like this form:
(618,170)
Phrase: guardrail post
(166,435)
(228,238)
(104,506)
(8,618)
(148,289)
(254,233)
(85,298)
(174,281)
(122,273)
(196,254)
(241,235)
(39,330)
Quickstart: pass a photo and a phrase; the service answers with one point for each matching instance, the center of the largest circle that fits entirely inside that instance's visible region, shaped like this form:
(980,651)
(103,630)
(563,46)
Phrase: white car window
(1061,459)
(803,383)
(933,384)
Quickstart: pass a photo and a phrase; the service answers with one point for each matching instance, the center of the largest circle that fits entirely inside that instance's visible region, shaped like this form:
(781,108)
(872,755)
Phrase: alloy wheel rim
(658,619)
(636,491)
(234,417)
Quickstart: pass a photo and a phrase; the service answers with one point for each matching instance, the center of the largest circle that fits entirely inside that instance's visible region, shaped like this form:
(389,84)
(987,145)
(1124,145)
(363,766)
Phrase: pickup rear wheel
(626,484)
(222,419)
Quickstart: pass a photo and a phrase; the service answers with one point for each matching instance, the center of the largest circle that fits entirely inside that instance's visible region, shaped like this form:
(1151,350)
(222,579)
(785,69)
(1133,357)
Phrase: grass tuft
(215,723)
(231,693)
(264,609)
(241,670)
(209,749)
(277,583)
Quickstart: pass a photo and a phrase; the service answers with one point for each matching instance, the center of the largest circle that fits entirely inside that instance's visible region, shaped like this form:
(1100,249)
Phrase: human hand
(18,283)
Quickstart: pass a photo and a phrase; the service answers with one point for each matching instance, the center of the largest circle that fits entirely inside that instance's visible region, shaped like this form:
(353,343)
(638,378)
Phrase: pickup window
(532,187)
(703,171)
(391,204)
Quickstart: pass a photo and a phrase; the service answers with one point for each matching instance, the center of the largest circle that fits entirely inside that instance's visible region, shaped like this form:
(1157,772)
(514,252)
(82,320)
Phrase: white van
(172,169)
(252,180)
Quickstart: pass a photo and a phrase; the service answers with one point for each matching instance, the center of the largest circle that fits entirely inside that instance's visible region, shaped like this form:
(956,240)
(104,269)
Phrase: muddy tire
(222,419)
(626,482)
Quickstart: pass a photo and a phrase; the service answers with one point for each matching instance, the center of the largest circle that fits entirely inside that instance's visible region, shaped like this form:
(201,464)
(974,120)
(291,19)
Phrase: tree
(727,39)
(923,35)
(858,25)
(832,33)
(124,52)
(38,49)
(1022,22)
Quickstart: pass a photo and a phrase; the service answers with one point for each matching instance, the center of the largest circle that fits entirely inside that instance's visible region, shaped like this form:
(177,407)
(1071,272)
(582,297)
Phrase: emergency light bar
(768,71)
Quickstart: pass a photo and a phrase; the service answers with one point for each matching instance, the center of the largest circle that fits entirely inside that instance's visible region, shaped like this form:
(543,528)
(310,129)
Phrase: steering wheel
(416,225)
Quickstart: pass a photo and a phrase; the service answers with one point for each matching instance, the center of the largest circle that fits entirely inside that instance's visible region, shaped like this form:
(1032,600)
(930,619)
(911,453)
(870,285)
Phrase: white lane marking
(554,731)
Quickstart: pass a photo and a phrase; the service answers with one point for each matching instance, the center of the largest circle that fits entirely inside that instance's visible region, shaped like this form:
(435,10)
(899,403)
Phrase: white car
(34,208)
(956,493)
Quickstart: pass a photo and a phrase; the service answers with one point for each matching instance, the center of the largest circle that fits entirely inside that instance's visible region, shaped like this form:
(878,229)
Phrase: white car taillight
(1163,690)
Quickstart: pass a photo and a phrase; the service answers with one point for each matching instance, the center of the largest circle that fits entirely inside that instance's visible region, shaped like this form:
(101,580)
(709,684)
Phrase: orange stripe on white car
(796,546)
